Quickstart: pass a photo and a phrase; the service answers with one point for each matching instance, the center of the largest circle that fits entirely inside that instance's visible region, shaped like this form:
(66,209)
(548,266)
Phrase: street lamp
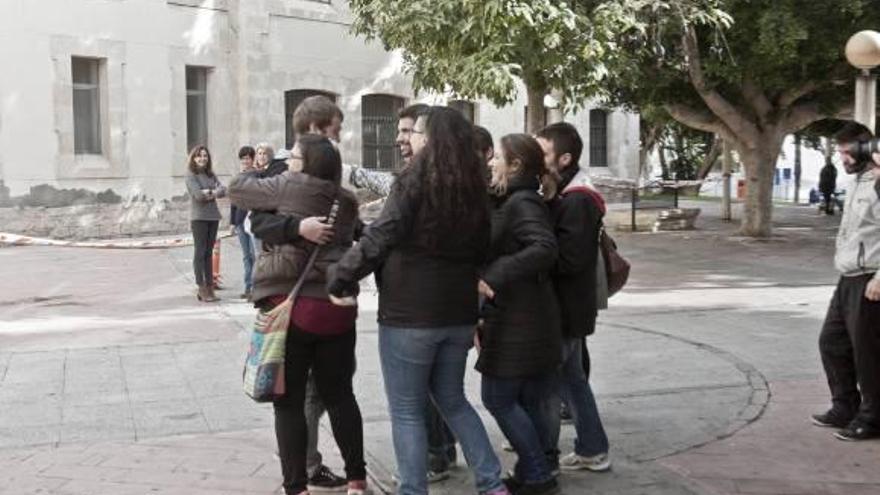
(863,53)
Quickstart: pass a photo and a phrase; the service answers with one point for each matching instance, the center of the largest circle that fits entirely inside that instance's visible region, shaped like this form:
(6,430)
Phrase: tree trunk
(535,109)
(760,166)
(664,168)
(710,159)
(797,169)
(726,159)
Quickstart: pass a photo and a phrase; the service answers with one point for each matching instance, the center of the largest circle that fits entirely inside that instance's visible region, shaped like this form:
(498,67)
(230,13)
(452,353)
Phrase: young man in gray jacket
(850,340)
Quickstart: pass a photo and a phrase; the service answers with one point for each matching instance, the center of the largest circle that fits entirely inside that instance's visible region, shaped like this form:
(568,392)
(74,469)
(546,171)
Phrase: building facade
(110,94)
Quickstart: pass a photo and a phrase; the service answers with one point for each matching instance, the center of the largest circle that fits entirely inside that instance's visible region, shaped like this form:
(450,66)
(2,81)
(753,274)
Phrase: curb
(7,239)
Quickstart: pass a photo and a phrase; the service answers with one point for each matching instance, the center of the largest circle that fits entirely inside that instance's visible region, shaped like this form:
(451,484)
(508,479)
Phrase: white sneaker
(574,462)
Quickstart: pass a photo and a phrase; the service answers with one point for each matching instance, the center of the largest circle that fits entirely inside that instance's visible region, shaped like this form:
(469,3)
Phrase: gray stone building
(110,94)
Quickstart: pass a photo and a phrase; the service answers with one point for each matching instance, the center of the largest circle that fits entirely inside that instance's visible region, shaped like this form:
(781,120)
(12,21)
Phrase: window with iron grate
(598,138)
(379,131)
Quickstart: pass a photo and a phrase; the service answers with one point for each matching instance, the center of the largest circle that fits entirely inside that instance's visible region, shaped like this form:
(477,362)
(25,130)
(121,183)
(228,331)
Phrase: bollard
(215,264)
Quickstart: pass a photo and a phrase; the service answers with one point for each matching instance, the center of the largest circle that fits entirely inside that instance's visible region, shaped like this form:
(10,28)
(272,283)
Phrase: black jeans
(850,348)
(331,361)
(829,202)
(204,234)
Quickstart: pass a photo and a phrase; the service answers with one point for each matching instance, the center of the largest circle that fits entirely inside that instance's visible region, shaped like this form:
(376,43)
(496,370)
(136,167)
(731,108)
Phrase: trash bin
(740,189)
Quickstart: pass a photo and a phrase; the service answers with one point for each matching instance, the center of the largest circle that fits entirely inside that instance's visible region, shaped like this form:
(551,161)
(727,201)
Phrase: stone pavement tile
(164,418)
(27,485)
(35,367)
(150,393)
(851,489)
(97,423)
(4,363)
(110,394)
(236,412)
(11,393)
(780,487)
(34,413)
(97,487)
(650,426)
(218,385)
(715,486)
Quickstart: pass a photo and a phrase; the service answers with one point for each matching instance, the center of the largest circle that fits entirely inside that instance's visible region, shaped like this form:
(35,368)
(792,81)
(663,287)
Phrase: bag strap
(313,256)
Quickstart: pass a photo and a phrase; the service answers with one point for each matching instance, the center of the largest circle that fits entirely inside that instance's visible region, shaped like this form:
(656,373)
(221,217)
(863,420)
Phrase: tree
(772,71)
(481,48)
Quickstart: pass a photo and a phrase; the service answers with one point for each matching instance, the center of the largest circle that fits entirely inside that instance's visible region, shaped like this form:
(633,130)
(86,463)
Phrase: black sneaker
(857,431)
(516,487)
(325,481)
(831,419)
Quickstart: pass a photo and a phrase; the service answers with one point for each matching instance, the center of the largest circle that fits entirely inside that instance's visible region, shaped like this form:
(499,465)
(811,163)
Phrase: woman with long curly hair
(427,246)
(204,189)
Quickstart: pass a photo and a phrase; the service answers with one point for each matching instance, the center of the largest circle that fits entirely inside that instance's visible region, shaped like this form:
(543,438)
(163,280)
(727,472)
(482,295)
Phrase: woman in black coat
(520,337)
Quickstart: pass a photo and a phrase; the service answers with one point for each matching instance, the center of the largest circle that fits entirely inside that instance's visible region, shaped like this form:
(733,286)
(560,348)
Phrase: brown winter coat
(293,193)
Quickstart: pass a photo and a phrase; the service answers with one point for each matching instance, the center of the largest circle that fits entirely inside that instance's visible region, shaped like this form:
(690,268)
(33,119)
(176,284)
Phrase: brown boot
(209,293)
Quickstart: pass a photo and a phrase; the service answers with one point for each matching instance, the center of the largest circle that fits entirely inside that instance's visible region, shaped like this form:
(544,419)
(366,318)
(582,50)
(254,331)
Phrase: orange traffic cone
(215,264)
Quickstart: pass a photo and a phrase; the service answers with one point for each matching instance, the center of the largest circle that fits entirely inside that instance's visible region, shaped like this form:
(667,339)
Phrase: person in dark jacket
(577,218)
(828,185)
(237,218)
(426,247)
(204,188)
(520,340)
(321,341)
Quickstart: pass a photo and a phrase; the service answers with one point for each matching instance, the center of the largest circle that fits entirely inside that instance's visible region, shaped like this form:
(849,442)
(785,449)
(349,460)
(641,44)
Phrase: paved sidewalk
(114,380)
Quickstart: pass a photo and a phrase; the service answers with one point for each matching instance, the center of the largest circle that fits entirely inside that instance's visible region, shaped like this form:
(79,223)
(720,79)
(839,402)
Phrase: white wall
(257,49)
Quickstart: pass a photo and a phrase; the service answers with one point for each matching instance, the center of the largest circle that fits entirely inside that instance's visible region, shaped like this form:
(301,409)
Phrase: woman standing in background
(204,188)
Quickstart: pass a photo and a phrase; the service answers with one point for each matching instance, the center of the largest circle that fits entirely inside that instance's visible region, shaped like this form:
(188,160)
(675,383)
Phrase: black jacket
(420,286)
(577,219)
(520,335)
(828,179)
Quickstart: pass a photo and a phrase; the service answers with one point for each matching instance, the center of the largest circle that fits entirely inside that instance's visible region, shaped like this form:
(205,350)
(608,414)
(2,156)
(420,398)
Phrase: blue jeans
(513,403)
(417,362)
(575,390)
(247,256)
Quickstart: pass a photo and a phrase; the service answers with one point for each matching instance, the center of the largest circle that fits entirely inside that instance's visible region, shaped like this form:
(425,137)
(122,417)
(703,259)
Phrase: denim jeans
(247,256)
(422,362)
(575,390)
(513,403)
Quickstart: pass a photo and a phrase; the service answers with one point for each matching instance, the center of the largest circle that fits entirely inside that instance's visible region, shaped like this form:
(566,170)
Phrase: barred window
(465,107)
(292,99)
(86,74)
(379,132)
(598,138)
(196,106)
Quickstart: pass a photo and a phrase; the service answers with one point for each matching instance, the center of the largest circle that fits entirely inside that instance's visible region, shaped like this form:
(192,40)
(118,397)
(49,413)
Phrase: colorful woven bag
(264,367)
(263,375)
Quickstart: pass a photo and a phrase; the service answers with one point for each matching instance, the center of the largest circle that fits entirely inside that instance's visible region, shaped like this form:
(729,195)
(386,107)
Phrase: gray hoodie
(858,240)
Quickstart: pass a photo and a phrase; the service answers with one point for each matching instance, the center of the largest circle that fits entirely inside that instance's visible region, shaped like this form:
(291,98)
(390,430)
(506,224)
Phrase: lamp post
(863,53)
